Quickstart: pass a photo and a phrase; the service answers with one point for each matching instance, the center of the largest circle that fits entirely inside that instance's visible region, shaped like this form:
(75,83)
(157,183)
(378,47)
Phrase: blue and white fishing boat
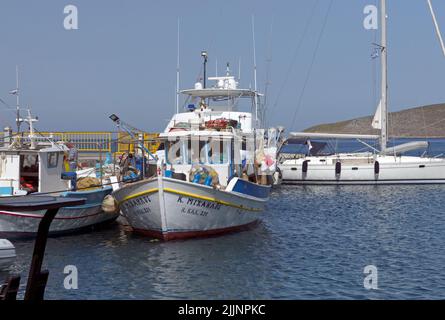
(36,165)
(209,179)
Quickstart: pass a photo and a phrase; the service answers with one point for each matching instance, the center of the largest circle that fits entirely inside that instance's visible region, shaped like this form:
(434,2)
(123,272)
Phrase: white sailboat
(207,177)
(385,166)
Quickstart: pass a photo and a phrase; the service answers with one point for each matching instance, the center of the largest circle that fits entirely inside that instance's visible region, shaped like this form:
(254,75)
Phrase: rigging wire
(268,71)
(296,53)
(320,36)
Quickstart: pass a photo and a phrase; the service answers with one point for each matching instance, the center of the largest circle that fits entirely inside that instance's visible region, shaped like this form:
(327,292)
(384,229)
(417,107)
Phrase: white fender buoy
(110,205)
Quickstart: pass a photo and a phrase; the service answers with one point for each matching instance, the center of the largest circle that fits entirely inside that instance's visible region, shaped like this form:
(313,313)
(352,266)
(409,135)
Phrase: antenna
(177,74)
(254,70)
(239,69)
(436,25)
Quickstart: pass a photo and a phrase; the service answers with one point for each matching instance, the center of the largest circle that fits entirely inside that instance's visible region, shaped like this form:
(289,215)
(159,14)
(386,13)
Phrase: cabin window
(53,159)
(218,151)
(29,172)
(212,151)
(176,152)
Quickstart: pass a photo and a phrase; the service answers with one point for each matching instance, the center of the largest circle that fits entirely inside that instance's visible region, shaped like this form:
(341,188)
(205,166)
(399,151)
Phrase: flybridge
(222,95)
(225,86)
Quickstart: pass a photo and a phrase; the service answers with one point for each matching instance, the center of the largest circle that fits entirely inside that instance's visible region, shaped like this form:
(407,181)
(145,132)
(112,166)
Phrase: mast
(384,106)
(254,71)
(177,74)
(17,94)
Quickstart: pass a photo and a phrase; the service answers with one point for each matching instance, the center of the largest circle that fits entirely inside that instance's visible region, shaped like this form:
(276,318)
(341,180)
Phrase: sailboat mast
(384,107)
(17,96)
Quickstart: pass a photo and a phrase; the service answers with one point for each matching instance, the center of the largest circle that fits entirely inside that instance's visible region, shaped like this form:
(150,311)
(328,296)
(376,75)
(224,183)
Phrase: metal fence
(99,141)
(127,144)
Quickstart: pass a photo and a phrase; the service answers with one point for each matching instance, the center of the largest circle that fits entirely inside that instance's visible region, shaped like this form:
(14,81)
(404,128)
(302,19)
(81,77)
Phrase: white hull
(7,254)
(362,170)
(180,209)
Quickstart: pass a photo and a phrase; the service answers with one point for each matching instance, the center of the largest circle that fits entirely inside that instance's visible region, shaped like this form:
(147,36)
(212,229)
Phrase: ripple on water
(313,243)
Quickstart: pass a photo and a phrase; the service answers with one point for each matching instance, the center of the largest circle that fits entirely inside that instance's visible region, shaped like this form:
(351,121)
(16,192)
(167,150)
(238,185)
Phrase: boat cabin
(24,170)
(220,152)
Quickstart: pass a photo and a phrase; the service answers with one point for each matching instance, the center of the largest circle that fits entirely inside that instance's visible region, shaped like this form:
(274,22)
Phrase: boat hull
(391,170)
(15,224)
(173,209)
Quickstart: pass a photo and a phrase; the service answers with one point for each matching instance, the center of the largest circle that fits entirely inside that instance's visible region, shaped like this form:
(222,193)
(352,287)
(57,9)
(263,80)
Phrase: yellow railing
(100,141)
(127,144)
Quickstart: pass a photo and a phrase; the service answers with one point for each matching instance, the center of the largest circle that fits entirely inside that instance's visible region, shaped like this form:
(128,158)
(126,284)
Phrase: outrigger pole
(128,129)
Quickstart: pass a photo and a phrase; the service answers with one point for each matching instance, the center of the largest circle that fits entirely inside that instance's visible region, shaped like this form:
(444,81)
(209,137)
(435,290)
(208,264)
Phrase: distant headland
(426,121)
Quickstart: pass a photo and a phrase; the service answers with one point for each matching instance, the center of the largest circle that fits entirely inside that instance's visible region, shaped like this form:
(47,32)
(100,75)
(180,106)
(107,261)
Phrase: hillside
(426,121)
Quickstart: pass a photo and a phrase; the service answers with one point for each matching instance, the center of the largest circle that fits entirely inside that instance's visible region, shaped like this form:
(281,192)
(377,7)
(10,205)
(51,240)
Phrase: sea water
(314,242)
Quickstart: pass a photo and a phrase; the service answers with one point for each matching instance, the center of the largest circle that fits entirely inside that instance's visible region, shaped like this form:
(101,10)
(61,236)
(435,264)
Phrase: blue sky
(122,58)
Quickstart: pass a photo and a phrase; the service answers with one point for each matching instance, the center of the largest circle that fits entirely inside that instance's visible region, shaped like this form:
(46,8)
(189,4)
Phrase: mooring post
(37,279)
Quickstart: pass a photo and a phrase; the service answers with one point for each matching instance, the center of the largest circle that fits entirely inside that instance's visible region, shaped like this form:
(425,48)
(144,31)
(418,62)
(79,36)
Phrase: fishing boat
(7,254)
(387,165)
(37,165)
(211,172)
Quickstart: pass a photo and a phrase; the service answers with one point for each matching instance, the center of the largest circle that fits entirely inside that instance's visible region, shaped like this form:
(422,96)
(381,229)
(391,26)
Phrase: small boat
(212,178)
(35,165)
(7,254)
(387,165)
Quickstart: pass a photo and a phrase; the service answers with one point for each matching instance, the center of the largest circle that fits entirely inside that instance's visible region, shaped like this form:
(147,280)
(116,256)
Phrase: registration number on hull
(138,205)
